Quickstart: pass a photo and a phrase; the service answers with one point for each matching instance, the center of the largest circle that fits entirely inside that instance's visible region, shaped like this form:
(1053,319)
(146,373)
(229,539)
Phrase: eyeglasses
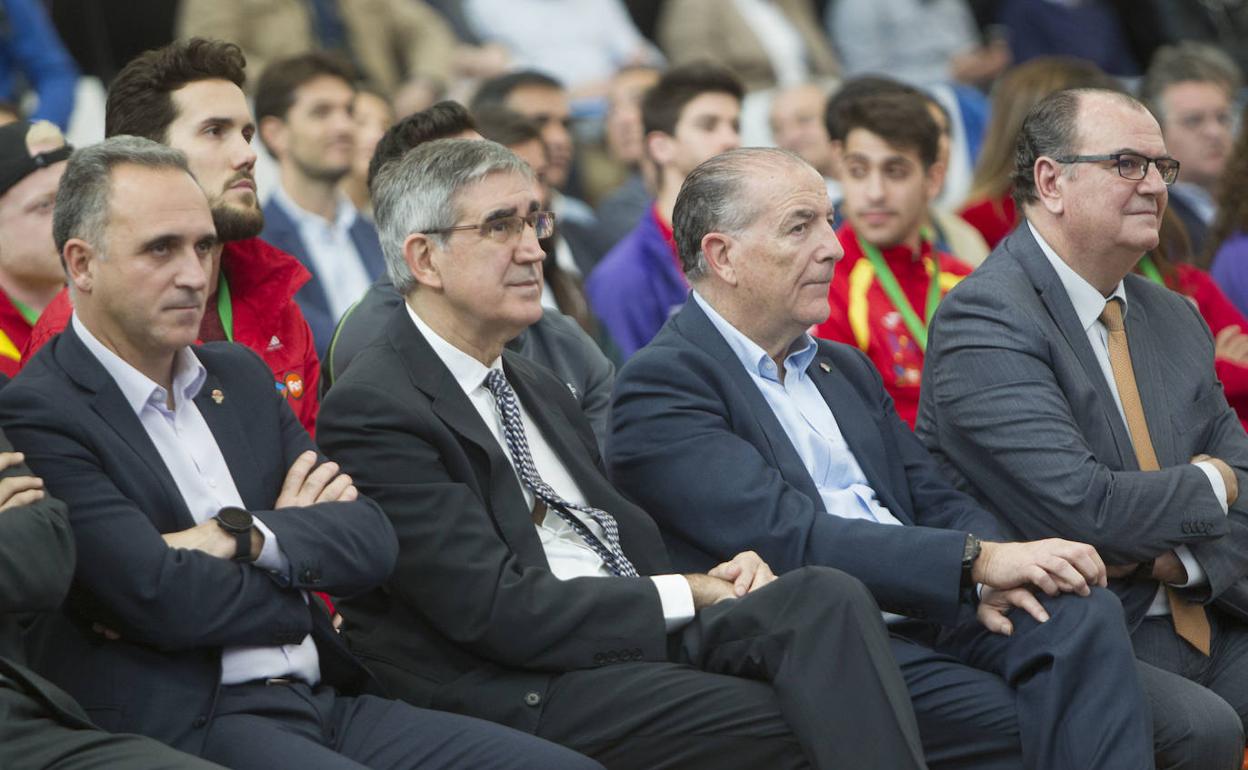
(1131,165)
(505,229)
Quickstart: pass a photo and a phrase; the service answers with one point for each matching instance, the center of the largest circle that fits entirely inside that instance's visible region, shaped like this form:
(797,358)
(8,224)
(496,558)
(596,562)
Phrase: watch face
(235,518)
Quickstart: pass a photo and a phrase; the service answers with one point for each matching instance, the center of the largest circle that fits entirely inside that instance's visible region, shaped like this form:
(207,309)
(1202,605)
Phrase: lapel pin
(217,395)
(825,367)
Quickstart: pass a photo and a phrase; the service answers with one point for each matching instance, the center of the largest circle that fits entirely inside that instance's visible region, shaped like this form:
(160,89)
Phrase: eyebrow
(500,214)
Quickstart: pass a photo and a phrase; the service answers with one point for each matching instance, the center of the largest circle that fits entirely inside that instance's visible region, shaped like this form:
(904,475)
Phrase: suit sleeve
(36,551)
(675,448)
(455,568)
(994,409)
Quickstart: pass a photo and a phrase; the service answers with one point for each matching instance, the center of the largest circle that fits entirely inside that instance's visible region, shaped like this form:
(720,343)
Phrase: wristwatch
(970,552)
(239,523)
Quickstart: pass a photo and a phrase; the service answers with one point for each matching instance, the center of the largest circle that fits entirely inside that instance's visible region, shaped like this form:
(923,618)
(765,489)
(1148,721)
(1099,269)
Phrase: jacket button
(532,698)
(637,653)
(311,576)
(599,658)
(613,656)
(1187,528)
(200,721)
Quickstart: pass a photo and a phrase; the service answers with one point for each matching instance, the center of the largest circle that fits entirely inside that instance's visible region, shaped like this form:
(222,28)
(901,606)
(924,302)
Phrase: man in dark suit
(521,593)
(40,725)
(735,426)
(303,114)
(201,511)
(1079,400)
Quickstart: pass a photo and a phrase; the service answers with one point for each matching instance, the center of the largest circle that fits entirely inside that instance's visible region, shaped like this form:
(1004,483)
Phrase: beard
(236,224)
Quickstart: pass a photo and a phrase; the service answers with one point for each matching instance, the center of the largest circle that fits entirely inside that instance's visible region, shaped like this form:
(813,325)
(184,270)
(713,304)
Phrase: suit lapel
(232,440)
(1146,363)
(364,236)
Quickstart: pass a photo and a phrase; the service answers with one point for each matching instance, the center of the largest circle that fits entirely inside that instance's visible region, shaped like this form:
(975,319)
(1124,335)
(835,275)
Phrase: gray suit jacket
(1016,409)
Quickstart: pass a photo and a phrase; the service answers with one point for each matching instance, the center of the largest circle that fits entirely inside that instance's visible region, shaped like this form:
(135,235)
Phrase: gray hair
(82,198)
(1051,129)
(715,199)
(420,192)
(1187,62)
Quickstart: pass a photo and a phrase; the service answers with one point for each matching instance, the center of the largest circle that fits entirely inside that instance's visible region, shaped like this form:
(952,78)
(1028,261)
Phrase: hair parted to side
(900,118)
(443,120)
(420,190)
(496,90)
(140,99)
(665,100)
(1051,129)
(507,127)
(1188,61)
(81,209)
(715,198)
(275,91)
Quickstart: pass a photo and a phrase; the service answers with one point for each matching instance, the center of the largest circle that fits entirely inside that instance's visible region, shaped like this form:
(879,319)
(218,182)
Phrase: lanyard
(1149,269)
(27,312)
(888,282)
(225,309)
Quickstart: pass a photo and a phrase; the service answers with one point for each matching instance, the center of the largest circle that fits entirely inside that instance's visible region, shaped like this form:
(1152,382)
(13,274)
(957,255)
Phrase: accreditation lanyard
(225,309)
(1149,269)
(888,282)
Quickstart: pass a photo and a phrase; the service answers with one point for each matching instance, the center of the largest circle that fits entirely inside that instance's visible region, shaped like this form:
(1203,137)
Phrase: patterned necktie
(518,447)
(1190,620)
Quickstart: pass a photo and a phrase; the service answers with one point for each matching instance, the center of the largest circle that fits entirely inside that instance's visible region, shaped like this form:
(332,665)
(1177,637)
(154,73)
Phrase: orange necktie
(1190,620)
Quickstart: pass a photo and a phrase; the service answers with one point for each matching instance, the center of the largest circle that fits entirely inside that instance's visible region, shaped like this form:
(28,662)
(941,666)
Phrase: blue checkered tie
(518,447)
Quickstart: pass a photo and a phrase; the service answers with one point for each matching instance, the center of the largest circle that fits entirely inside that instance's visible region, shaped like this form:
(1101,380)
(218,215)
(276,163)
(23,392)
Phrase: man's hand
(307,484)
(1168,568)
(708,590)
(16,491)
(1054,566)
(210,538)
(746,571)
(994,603)
(1229,479)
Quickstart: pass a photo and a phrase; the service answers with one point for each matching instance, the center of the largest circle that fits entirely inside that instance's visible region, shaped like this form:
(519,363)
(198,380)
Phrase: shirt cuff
(1195,573)
(271,557)
(677,599)
(1215,481)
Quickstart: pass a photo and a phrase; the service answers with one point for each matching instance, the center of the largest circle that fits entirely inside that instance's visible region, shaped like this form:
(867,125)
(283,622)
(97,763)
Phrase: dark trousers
(796,674)
(1201,703)
(31,737)
(293,725)
(1055,695)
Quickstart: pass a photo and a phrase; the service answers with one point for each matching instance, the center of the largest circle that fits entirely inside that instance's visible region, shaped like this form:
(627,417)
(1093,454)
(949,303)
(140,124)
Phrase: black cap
(16,162)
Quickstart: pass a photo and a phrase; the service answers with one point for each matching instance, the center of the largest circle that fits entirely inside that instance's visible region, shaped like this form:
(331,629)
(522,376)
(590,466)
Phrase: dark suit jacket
(1016,408)
(280,231)
(175,609)
(695,442)
(472,619)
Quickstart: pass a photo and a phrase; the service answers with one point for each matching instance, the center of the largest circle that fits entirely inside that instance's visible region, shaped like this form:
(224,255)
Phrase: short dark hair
(1187,62)
(853,90)
(666,99)
(275,92)
(507,127)
(901,118)
(140,99)
(496,90)
(1051,129)
(441,121)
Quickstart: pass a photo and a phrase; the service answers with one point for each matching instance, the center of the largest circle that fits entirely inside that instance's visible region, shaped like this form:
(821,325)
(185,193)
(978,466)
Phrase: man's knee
(1203,733)
(835,585)
(1099,610)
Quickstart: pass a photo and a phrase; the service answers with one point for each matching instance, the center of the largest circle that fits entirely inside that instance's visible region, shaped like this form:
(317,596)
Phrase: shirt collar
(344,212)
(751,354)
(137,388)
(1084,296)
(467,371)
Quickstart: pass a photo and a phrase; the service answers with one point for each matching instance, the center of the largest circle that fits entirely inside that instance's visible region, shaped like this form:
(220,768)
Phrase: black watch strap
(970,552)
(239,523)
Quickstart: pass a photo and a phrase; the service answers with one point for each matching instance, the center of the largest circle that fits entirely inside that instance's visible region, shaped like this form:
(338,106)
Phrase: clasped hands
(1009,571)
(737,577)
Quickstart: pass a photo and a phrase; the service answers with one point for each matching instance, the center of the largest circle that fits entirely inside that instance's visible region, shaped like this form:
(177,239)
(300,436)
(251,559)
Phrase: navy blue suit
(280,231)
(694,442)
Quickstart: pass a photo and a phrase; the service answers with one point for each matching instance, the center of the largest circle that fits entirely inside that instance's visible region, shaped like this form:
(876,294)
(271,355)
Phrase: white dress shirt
(190,453)
(568,554)
(1089,303)
(333,255)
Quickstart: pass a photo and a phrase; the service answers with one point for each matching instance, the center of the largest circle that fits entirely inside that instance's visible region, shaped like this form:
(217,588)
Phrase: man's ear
(934,180)
(660,147)
(719,252)
(272,132)
(418,252)
(79,258)
(1048,174)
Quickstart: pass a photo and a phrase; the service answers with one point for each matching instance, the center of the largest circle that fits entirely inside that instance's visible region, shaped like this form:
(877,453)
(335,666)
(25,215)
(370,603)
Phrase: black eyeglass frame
(1117,157)
(531,219)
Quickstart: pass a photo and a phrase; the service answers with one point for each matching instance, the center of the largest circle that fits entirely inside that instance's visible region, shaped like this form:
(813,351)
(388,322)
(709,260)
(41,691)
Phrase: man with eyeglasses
(1078,399)
(528,590)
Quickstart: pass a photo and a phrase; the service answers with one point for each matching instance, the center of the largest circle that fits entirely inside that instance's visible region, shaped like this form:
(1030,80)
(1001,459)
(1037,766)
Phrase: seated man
(555,341)
(201,511)
(517,596)
(1034,401)
(735,426)
(41,725)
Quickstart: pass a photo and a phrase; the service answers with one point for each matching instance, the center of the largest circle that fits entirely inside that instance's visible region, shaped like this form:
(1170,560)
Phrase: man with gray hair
(202,512)
(1191,88)
(1076,398)
(528,590)
(736,426)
